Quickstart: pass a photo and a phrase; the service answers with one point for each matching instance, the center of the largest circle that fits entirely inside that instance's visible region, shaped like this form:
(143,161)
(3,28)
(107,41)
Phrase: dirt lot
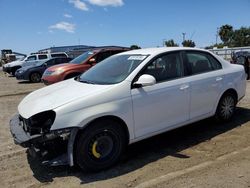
(204,154)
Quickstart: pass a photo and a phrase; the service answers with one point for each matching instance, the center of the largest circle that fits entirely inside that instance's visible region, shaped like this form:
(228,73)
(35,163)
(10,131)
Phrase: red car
(78,65)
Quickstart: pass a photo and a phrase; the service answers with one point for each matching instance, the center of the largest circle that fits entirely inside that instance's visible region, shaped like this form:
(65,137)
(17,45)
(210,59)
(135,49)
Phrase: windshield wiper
(86,81)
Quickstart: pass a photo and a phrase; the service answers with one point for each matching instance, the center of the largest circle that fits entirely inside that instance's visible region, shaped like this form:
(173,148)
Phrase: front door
(165,104)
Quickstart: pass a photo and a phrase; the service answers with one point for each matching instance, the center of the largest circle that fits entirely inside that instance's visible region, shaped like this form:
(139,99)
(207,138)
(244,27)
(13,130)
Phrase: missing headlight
(41,122)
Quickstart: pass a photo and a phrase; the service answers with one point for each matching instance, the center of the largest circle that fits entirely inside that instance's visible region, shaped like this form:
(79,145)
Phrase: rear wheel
(226,107)
(100,145)
(35,77)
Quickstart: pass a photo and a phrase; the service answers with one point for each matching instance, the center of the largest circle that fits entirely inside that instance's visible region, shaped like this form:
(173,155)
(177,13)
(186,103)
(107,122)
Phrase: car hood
(62,66)
(27,67)
(14,63)
(56,95)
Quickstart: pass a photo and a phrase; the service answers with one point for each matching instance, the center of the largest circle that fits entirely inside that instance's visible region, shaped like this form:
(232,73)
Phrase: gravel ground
(203,154)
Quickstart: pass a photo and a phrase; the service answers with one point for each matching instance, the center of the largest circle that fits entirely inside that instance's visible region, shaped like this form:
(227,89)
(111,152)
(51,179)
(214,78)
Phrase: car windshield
(112,70)
(21,59)
(82,58)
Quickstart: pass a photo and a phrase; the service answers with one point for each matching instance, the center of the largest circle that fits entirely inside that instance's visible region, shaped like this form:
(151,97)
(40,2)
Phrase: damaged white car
(126,98)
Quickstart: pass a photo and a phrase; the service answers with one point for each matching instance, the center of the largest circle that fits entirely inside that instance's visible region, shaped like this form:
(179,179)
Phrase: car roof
(154,51)
(108,49)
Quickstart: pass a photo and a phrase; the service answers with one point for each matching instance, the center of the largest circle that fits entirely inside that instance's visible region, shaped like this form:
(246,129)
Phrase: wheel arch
(231,91)
(110,117)
(71,150)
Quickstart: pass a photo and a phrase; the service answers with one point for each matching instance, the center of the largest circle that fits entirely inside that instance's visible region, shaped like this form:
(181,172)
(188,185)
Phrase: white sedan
(126,98)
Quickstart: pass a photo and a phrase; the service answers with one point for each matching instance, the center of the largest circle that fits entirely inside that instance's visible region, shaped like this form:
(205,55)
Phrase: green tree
(170,43)
(226,33)
(188,43)
(241,37)
(134,47)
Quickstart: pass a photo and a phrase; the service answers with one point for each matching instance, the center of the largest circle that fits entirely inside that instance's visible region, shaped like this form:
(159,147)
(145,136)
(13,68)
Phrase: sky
(30,25)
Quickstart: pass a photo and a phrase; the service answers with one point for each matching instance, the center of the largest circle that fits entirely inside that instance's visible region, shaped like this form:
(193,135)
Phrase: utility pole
(163,42)
(217,34)
(183,37)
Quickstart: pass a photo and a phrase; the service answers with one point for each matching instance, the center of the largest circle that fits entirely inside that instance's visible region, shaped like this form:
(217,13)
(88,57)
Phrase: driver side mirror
(145,80)
(92,61)
(45,64)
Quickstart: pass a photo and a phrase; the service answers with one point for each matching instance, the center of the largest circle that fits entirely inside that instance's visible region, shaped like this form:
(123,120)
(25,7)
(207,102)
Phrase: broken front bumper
(23,138)
(20,136)
(6,69)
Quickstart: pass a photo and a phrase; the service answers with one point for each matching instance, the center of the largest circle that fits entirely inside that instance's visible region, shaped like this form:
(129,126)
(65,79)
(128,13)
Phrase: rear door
(206,79)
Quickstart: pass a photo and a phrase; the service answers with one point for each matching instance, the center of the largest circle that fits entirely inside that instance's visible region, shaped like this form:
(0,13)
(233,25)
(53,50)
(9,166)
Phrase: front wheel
(100,145)
(226,107)
(35,77)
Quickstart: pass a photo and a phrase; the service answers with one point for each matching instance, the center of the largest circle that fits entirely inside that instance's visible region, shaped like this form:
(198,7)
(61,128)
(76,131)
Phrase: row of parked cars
(125,98)
(55,67)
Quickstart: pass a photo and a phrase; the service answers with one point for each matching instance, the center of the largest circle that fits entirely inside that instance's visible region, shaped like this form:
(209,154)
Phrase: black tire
(13,73)
(100,145)
(35,77)
(226,107)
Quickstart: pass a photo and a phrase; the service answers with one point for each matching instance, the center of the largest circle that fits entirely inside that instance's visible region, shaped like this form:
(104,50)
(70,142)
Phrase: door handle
(218,79)
(185,86)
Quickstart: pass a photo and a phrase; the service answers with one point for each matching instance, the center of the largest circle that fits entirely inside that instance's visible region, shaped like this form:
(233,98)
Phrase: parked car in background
(34,71)
(126,98)
(242,58)
(78,65)
(11,68)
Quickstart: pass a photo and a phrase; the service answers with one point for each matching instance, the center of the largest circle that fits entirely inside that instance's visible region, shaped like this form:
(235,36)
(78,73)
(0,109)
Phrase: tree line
(229,36)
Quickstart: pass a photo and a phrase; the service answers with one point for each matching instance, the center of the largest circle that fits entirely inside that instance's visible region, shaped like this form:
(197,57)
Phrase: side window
(199,62)
(215,63)
(113,52)
(59,55)
(50,62)
(58,61)
(102,55)
(166,67)
(31,58)
(42,56)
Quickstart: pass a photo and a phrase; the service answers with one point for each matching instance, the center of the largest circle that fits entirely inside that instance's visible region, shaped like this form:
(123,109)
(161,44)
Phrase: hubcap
(35,77)
(227,107)
(101,146)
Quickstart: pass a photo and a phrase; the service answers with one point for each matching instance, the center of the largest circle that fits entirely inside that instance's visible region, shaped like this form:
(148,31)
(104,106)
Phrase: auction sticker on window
(137,57)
